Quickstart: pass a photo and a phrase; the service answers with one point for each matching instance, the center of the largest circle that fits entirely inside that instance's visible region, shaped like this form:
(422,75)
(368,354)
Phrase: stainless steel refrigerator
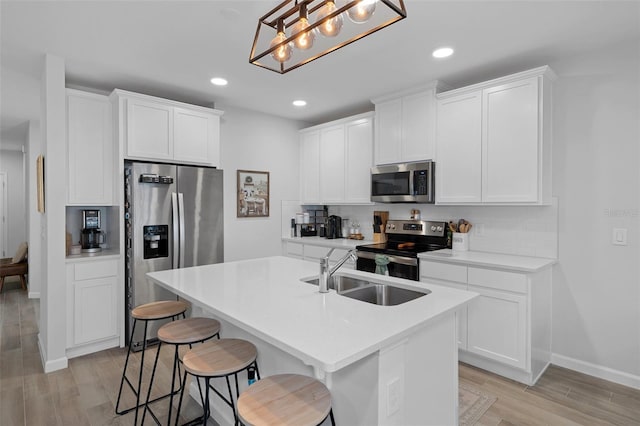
(173,219)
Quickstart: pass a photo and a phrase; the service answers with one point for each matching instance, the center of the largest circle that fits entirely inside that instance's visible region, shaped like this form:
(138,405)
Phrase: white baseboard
(90,348)
(34,295)
(599,371)
(52,365)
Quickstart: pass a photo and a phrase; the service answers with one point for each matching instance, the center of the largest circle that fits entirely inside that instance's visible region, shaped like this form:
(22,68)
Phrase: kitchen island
(391,365)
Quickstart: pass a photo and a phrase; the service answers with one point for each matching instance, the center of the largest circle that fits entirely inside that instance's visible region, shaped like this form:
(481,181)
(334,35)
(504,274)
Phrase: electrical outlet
(394,396)
(619,237)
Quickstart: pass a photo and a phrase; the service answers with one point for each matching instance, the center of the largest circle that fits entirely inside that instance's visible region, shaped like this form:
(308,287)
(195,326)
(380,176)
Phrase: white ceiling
(172,49)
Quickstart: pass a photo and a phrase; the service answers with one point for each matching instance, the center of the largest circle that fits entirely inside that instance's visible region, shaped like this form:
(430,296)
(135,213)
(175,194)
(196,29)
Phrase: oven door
(400,267)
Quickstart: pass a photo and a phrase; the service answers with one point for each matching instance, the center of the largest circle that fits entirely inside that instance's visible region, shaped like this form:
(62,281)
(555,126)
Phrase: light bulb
(362,11)
(283,53)
(332,27)
(305,39)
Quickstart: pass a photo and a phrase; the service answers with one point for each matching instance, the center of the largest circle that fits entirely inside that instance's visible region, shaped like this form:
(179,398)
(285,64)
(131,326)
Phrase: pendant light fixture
(306,36)
(304,20)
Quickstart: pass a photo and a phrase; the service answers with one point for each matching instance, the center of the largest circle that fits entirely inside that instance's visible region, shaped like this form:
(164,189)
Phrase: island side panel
(431,390)
(354,388)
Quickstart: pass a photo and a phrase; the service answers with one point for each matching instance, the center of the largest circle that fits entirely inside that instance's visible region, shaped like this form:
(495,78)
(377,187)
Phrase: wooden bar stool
(215,359)
(148,312)
(285,399)
(181,332)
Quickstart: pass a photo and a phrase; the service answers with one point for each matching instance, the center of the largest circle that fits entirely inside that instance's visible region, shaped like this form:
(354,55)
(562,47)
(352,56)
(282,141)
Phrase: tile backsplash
(519,230)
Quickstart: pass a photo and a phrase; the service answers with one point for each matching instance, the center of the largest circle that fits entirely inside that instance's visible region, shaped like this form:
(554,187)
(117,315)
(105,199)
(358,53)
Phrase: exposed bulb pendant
(283,53)
(331,27)
(362,11)
(305,40)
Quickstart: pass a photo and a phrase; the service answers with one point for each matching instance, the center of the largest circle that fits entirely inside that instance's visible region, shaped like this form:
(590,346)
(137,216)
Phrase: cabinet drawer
(100,269)
(443,271)
(293,249)
(500,280)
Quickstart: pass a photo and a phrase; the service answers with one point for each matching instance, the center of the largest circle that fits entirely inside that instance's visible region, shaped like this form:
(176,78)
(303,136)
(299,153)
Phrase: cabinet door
(95,310)
(89,149)
(418,126)
(359,152)
(510,142)
(194,137)
(332,165)
(149,130)
(310,167)
(388,135)
(497,326)
(458,170)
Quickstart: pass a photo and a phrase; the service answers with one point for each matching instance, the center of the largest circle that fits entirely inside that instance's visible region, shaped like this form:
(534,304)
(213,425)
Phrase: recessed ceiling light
(219,81)
(442,52)
(299,103)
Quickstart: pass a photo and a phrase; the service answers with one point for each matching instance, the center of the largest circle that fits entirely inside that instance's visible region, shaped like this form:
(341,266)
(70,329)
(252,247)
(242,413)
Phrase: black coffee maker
(334,227)
(91,236)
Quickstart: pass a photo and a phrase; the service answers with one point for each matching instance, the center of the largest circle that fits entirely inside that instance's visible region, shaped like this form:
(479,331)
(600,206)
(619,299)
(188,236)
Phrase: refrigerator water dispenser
(156,241)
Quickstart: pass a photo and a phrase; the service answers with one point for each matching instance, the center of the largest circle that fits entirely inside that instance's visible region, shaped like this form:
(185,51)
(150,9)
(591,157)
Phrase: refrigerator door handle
(182,230)
(176,232)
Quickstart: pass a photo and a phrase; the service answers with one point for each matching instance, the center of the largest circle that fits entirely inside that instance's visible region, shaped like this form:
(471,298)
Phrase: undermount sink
(374,292)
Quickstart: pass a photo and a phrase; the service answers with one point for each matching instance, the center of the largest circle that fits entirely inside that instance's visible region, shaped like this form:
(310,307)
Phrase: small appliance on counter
(91,236)
(334,227)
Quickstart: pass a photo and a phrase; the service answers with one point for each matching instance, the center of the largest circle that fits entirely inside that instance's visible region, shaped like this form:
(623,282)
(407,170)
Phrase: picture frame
(252,194)
(40,183)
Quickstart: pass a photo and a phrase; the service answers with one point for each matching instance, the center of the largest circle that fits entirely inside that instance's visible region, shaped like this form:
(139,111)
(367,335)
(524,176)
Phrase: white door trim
(3,214)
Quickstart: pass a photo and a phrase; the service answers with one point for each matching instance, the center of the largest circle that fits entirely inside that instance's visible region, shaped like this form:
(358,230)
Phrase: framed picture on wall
(253,193)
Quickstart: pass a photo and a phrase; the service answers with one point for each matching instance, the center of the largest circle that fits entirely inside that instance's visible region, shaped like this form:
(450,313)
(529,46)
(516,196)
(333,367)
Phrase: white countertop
(266,298)
(105,254)
(344,243)
(494,260)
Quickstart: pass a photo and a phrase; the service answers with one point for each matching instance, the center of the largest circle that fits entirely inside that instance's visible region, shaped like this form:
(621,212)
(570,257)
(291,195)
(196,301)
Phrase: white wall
(12,162)
(596,309)
(35,232)
(256,141)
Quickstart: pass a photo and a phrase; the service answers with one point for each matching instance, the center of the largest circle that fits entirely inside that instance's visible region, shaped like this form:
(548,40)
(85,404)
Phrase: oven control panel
(417,227)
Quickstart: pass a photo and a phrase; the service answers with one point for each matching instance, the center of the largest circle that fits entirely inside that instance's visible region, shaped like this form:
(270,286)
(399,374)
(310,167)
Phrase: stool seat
(190,330)
(285,399)
(219,357)
(159,310)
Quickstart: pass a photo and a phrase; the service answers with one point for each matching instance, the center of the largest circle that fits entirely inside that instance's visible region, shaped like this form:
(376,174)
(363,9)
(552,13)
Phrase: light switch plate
(619,237)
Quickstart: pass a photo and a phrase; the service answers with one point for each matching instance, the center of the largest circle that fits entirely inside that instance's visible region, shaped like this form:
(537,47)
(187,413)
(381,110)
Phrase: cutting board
(381,237)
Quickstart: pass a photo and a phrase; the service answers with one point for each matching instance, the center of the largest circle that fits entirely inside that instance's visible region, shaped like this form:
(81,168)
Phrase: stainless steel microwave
(403,183)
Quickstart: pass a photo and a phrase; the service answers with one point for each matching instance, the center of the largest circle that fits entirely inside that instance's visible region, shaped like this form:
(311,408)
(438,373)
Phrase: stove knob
(439,228)
(433,227)
(391,226)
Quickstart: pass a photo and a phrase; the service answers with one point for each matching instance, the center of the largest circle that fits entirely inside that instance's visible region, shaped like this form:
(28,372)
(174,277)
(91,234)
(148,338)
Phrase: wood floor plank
(86,392)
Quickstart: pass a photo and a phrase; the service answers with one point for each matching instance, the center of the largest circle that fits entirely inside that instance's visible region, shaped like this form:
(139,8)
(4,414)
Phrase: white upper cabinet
(458,169)
(494,141)
(405,126)
(164,130)
(310,167)
(336,160)
(90,149)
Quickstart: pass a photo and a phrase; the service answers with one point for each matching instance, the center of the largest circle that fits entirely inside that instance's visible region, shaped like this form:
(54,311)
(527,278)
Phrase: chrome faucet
(326,273)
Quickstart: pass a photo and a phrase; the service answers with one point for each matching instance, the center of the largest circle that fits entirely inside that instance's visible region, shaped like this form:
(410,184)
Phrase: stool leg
(153,375)
(207,411)
(124,371)
(144,349)
(173,379)
(1,283)
(184,385)
(333,421)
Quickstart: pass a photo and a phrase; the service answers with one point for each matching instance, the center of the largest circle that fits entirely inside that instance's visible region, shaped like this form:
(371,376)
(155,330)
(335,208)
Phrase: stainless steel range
(405,240)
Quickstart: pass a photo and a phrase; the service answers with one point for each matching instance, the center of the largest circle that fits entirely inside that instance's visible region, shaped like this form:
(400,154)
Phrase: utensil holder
(460,241)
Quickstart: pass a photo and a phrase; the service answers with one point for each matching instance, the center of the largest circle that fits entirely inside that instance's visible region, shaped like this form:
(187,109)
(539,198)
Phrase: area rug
(473,404)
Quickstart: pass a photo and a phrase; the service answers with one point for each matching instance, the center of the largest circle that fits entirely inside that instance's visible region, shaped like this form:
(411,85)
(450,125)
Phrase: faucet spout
(326,272)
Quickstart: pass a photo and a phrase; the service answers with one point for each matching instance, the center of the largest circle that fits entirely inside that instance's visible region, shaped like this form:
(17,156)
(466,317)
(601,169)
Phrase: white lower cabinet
(92,313)
(497,326)
(507,328)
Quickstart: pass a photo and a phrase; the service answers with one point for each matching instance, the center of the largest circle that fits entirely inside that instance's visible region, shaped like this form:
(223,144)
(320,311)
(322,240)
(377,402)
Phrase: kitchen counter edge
(493,260)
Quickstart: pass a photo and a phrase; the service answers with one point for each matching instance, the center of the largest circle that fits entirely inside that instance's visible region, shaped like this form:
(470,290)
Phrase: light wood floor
(85,393)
